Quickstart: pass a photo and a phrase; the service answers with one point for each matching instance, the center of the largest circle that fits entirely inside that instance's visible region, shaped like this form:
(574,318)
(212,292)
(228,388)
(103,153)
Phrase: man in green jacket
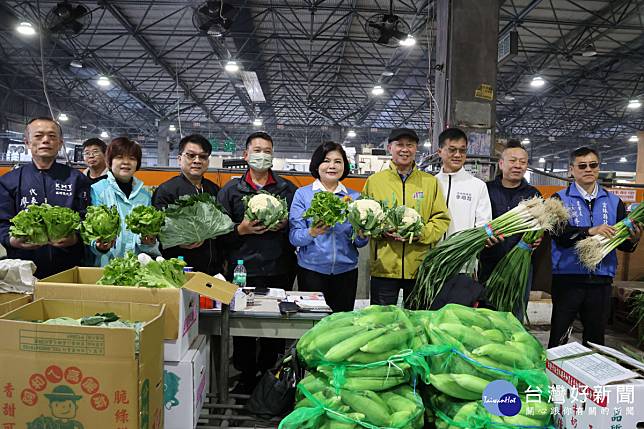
(394,261)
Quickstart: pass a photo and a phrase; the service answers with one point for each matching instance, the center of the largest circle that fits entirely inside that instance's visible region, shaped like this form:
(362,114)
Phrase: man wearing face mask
(268,256)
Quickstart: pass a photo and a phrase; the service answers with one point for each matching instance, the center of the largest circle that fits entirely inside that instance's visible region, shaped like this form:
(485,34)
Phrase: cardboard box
(11,301)
(595,388)
(81,376)
(182,305)
(186,386)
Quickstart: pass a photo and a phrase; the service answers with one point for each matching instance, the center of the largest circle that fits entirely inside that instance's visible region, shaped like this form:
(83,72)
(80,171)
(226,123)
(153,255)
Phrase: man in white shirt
(466,196)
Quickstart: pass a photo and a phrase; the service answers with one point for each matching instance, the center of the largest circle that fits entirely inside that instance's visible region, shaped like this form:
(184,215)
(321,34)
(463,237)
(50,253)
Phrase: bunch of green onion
(507,283)
(593,249)
(449,257)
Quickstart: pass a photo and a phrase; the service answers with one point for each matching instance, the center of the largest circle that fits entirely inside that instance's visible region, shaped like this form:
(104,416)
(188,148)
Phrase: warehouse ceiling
(316,67)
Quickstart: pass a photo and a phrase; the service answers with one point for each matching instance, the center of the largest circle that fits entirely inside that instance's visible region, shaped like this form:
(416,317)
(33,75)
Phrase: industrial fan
(68,19)
(214,18)
(386,28)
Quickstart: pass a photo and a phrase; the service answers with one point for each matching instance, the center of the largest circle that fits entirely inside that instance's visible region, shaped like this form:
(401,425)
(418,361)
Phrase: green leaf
(101,223)
(326,208)
(145,221)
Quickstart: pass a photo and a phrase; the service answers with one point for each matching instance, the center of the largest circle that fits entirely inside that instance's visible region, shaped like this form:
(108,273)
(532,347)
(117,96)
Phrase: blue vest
(565,260)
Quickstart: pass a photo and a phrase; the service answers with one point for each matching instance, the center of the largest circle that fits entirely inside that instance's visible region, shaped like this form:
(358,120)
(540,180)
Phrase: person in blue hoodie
(575,289)
(327,257)
(123,190)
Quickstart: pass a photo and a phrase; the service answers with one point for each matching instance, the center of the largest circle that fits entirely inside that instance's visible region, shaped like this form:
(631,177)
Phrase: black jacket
(503,200)
(205,258)
(59,186)
(267,254)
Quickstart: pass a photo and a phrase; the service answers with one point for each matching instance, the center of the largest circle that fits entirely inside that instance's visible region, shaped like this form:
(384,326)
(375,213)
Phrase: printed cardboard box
(186,385)
(182,305)
(81,377)
(11,301)
(594,389)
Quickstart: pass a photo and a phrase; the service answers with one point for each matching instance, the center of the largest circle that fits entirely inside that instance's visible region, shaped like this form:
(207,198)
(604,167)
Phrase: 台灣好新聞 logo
(501,398)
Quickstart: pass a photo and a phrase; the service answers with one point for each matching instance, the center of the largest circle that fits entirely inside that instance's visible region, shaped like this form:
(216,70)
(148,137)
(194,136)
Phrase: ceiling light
(103,81)
(634,104)
(537,82)
(104,135)
(63,117)
(76,64)
(377,90)
(172,128)
(623,159)
(257,122)
(509,97)
(428,143)
(525,141)
(542,160)
(633,139)
(26,29)
(232,67)
(387,73)
(589,52)
(409,41)
(351,134)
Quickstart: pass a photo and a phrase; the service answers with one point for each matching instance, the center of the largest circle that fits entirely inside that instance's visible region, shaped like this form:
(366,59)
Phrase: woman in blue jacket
(327,256)
(123,190)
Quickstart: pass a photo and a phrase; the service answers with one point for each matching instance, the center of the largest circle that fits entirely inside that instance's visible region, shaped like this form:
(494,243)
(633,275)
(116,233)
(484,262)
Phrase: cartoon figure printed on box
(170,389)
(63,407)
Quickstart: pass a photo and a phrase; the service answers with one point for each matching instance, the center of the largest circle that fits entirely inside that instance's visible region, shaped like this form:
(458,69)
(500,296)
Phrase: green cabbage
(194,218)
(128,271)
(101,223)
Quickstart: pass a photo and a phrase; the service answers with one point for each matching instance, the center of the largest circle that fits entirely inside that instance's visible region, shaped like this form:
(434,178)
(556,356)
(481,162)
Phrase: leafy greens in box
(101,223)
(42,223)
(194,218)
(145,272)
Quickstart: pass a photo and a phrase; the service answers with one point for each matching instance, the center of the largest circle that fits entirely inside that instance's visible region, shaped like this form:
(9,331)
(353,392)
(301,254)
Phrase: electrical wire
(176,71)
(431,20)
(44,81)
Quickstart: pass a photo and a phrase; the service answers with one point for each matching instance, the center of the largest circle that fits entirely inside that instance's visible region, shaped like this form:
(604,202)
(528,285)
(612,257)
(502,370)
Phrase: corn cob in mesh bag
(451,414)
(321,406)
(368,349)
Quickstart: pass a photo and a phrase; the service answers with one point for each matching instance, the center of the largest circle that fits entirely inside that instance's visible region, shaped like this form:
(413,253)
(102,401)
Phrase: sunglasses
(585,165)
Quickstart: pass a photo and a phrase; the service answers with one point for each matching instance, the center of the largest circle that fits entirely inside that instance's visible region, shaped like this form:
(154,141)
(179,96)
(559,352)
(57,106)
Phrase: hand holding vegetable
(493,241)
(104,246)
(192,245)
(21,243)
(280,225)
(65,241)
(148,240)
(318,229)
(605,230)
(636,231)
(247,227)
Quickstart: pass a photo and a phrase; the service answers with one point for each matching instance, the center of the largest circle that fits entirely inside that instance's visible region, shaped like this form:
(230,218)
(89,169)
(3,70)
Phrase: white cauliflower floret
(366,206)
(262,201)
(411,216)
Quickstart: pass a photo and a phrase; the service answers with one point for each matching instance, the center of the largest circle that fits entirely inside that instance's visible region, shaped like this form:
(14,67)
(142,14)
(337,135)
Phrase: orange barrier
(222,176)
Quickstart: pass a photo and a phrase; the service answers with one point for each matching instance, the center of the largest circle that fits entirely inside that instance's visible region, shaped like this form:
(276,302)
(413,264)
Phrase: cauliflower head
(410,216)
(263,201)
(364,207)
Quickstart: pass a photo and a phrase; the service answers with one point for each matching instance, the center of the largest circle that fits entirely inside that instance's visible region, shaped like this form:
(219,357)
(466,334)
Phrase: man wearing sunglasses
(193,157)
(575,289)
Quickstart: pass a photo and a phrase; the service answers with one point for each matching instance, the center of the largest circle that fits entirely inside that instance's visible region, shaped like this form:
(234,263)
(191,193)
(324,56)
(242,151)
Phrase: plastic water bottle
(239,274)
(401,300)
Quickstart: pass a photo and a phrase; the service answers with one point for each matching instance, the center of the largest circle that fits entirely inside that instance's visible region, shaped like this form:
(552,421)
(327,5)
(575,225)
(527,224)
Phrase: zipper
(334,252)
(449,191)
(402,276)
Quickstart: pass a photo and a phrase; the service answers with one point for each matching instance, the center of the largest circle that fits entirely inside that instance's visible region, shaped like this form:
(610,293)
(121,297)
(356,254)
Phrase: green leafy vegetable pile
(267,208)
(101,223)
(130,271)
(327,209)
(42,223)
(194,218)
(145,220)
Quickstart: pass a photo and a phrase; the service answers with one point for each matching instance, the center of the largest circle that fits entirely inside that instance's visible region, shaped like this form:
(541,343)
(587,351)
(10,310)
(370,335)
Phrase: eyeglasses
(192,156)
(92,153)
(585,165)
(453,151)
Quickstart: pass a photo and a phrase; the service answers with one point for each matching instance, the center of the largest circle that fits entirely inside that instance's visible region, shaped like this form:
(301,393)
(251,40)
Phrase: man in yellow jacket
(394,261)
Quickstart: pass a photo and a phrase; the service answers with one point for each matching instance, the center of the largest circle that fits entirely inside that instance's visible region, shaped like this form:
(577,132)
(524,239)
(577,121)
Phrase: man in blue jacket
(43,181)
(575,289)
